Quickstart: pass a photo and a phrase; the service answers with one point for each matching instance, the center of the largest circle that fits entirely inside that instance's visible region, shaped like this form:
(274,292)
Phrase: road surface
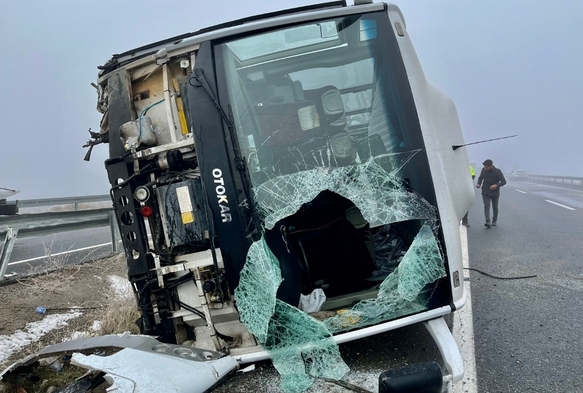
(529,332)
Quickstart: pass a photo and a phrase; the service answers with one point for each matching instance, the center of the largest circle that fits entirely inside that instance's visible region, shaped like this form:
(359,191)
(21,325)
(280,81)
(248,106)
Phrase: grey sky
(512,67)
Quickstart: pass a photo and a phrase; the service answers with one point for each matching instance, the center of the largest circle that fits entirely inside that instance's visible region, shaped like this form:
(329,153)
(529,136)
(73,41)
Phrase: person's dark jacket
(488,178)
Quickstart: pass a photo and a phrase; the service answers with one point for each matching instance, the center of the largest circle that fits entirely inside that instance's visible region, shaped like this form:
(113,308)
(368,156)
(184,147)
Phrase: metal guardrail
(565,180)
(39,224)
(63,201)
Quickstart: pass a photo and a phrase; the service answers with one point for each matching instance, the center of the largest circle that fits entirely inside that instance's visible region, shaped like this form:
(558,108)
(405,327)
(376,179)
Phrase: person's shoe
(487,225)
(493,223)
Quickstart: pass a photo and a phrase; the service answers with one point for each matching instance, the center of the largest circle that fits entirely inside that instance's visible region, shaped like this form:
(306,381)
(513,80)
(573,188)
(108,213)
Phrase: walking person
(465,219)
(491,179)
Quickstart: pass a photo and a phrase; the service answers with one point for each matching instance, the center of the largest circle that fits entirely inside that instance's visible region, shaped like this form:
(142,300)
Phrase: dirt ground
(85,287)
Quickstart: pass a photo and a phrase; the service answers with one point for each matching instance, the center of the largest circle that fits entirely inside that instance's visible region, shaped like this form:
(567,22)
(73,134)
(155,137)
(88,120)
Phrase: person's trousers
(494,201)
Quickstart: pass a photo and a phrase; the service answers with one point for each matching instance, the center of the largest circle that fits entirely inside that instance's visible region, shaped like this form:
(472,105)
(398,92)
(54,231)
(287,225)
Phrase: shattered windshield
(340,182)
(321,98)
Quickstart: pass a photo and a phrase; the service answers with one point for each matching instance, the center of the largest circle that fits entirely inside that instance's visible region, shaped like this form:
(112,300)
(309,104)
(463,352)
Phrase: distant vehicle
(519,175)
(7,208)
(7,192)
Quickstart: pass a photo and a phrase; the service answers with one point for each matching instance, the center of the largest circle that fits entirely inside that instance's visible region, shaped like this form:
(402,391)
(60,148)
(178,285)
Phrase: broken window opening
(379,205)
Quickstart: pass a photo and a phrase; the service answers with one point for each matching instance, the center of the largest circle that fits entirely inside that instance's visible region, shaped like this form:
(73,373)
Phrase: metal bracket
(6,246)
(187,142)
(191,261)
(448,348)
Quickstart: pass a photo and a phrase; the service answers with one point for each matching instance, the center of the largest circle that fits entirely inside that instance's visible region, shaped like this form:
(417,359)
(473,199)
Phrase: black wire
(499,278)
(185,278)
(455,147)
(201,314)
(346,385)
(126,181)
(189,308)
(147,308)
(240,163)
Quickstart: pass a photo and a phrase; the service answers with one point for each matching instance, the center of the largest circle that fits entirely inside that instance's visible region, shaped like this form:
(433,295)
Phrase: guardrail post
(115,235)
(6,249)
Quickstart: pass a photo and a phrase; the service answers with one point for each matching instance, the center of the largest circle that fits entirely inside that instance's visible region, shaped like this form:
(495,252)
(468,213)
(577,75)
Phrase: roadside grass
(121,313)
(112,311)
(116,314)
(57,265)
(50,275)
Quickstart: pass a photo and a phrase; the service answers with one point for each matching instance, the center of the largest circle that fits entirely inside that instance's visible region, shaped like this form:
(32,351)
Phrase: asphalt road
(529,332)
(71,247)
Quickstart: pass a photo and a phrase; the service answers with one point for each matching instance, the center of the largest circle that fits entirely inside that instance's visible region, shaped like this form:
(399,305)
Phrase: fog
(512,67)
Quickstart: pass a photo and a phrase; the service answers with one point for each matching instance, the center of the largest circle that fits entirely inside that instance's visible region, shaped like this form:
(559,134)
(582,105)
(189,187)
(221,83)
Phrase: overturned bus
(285,183)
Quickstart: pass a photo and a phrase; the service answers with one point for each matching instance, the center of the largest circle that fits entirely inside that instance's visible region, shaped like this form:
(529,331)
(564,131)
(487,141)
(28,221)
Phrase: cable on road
(346,385)
(497,277)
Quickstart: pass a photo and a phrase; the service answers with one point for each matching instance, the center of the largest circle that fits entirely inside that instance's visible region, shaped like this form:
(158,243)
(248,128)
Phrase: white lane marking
(463,329)
(524,192)
(58,253)
(558,204)
(553,185)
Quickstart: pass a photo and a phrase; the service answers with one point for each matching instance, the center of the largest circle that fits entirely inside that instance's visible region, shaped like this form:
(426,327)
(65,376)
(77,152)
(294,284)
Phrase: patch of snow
(121,286)
(96,326)
(77,335)
(33,331)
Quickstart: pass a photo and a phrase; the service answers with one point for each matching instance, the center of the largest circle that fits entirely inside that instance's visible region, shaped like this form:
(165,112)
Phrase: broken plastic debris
(142,364)
(247,369)
(313,301)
